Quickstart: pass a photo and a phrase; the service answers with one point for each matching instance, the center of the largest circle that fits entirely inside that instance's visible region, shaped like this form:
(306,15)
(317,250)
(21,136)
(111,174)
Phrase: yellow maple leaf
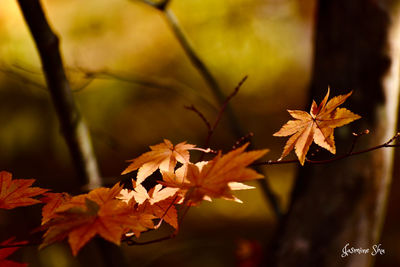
(317,126)
(163,156)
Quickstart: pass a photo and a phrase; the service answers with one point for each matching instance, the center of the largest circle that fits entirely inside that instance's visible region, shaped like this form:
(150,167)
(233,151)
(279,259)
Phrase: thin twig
(211,129)
(73,127)
(201,115)
(131,242)
(147,81)
(356,137)
(212,83)
(222,110)
(234,124)
(242,140)
(185,211)
(203,70)
(23,78)
(349,154)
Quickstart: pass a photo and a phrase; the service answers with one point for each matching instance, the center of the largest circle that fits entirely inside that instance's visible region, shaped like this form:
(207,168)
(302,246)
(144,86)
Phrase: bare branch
(22,78)
(201,115)
(145,81)
(234,124)
(73,127)
(131,242)
(223,108)
(349,154)
(158,5)
(356,136)
(22,74)
(242,140)
(212,128)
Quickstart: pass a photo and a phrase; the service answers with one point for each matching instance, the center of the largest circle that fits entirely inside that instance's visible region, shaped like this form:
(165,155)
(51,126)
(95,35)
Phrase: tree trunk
(356,48)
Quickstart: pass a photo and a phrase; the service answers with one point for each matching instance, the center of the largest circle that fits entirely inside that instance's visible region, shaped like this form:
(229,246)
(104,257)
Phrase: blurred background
(131,80)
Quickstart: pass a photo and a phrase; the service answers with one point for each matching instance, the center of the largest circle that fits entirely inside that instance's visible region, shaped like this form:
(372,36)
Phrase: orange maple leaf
(163,156)
(5,252)
(98,212)
(158,201)
(53,201)
(140,194)
(17,192)
(318,125)
(216,178)
(165,210)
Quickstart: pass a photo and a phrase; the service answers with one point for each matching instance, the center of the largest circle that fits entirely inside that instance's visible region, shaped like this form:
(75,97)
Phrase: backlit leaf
(213,179)
(317,126)
(163,156)
(96,213)
(17,192)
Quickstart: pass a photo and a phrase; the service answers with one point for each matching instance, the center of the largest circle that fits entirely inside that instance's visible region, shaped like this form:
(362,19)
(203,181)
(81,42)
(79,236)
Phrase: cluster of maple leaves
(116,213)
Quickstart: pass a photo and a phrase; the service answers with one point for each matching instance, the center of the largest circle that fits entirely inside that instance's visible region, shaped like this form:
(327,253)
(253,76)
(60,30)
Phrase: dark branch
(73,127)
(203,70)
(147,81)
(212,128)
(158,5)
(131,242)
(223,108)
(242,140)
(201,115)
(216,90)
(349,154)
(22,78)
(356,136)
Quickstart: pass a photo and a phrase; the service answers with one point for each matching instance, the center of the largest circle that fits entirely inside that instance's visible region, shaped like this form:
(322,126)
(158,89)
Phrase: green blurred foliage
(131,80)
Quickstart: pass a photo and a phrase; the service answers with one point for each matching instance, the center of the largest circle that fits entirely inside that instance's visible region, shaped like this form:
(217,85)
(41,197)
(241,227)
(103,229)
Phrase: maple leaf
(158,201)
(17,192)
(98,212)
(317,126)
(216,178)
(5,252)
(140,194)
(53,201)
(163,156)
(165,210)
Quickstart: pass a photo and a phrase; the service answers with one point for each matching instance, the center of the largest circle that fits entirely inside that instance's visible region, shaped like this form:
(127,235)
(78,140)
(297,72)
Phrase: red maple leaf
(5,252)
(17,192)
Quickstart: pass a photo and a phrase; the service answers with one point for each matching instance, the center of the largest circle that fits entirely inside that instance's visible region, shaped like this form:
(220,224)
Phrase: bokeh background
(131,80)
